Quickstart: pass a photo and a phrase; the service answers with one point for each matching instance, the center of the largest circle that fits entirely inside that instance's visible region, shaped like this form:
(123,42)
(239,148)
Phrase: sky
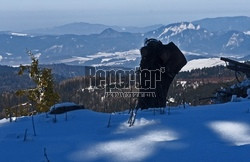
(21,15)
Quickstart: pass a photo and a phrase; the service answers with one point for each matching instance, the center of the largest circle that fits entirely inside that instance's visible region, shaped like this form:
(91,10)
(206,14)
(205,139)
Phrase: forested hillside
(194,87)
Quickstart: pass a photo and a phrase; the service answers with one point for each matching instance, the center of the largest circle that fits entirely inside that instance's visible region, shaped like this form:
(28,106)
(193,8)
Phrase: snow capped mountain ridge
(178,28)
(192,37)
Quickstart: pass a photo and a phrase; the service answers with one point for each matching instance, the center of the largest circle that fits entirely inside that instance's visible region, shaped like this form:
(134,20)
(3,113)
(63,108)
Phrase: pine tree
(42,96)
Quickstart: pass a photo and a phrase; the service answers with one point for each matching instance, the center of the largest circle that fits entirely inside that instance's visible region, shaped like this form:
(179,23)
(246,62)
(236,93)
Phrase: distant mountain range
(82,28)
(239,23)
(114,46)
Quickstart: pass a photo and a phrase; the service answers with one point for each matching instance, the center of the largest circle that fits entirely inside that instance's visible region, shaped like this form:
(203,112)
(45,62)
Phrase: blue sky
(28,14)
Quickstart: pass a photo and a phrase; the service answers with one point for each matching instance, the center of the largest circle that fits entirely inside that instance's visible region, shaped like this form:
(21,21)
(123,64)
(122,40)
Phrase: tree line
(193,87)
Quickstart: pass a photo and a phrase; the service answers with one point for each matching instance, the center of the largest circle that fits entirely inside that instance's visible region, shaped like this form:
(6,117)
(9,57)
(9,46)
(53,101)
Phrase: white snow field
(202,63)
(195,134)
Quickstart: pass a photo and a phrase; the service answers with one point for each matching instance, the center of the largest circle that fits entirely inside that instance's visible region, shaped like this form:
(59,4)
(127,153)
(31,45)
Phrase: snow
(64,104)
(182,83)
(191,53)
(237,133)
(19,34)
(202,63)
(107,58)
(37,55)
(116,58)
(55,48)
(204,133)
(179,28)
(131,149)
(121,58)
(3,121)
(247,32)
(9,54)
(1,57)
(75,58)
(234,41)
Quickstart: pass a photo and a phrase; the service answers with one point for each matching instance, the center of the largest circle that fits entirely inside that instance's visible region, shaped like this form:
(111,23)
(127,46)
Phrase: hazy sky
(29,14)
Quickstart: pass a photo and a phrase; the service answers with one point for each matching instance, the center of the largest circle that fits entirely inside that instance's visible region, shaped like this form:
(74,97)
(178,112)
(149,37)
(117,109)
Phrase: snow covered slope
(203,133)
(202,63)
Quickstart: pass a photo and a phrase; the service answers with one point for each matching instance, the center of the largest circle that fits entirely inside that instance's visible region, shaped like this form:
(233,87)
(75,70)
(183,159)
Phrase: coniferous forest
(193,87)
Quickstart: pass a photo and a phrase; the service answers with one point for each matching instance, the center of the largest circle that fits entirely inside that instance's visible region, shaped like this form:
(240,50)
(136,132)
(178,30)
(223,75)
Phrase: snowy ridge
(188,36)
(176,29)
(203,133)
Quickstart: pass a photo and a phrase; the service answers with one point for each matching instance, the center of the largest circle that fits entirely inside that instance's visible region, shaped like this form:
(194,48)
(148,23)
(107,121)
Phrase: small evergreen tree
(43,96)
